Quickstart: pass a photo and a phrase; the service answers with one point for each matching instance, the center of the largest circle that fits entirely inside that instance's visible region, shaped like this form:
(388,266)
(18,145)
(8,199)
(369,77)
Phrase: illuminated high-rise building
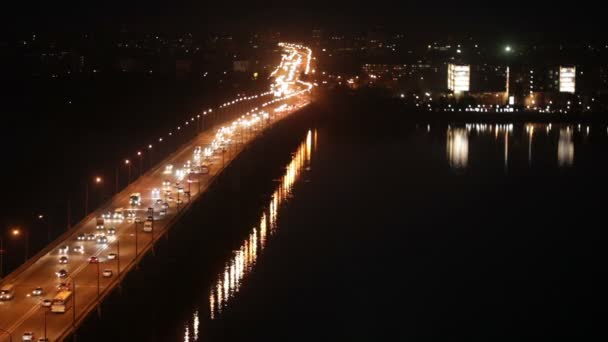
(567,79)
(459,77)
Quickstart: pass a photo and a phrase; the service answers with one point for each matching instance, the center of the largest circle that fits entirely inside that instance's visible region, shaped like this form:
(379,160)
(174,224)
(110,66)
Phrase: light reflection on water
(565,147)
(228,283)
(461,139)
(458,147)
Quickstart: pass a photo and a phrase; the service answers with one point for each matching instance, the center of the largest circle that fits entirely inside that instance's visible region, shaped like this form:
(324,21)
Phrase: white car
(64,249)
(28,336)
(46,302)
(63,260)
(168,169)
(112,231)
(102,240)
(112,256)
(155,193)
(79,249)
(107,273)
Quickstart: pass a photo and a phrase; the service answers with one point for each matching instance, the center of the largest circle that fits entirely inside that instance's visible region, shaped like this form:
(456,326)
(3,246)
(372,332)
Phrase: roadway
(25,312)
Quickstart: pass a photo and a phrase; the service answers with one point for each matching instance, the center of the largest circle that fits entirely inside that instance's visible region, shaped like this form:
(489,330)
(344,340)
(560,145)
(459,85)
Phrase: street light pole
(26,236)
(129,166)
(118,255)
(46,312)
(74,306)
(69,214)
(116,180)
(140,162)
(86,199)
(48,226)
(1,257)
(136,240)
(86,195)
(98,280)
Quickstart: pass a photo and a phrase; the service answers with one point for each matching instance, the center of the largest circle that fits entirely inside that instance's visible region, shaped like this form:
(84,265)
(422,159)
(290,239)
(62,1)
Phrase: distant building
(459,77)
(567,79)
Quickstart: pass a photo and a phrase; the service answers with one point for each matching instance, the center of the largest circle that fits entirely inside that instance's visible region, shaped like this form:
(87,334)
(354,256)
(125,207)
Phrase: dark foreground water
(360,225)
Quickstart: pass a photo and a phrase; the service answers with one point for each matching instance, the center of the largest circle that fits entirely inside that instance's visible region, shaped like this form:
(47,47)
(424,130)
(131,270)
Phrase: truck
(135,199)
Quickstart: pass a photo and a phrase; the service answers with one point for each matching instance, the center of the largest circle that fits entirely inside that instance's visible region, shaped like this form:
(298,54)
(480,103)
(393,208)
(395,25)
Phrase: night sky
(490,17)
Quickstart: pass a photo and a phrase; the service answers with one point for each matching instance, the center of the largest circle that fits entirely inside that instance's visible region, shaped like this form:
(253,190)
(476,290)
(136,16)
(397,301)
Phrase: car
(159,201)
(180,189)
(102,239)
(107,273)
(118,214)
(90,237)
(148,226)
(155,193)
(46,302)
(138,220)
(81,237)
(63,260)
(150,218)
(99,223)
(43,339)
(165,205)
(37,291)
(64,286)
(112,231)
(79,249)
(170,199)
(61,273)
(112,256)
(64,249)
(179,201)
(163,212)
(93,260)
(27,336)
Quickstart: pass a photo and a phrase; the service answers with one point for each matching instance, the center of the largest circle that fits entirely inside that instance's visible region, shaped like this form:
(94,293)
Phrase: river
(364,225)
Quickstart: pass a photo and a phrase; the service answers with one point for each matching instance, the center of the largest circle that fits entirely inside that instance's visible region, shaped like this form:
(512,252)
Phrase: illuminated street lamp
(1,258)
(151,155)
(48,226)
(96,180)
(140,161)
(128,163)
(16,233)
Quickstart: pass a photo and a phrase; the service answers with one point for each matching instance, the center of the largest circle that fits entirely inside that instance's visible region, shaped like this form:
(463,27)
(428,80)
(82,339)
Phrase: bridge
(97,253)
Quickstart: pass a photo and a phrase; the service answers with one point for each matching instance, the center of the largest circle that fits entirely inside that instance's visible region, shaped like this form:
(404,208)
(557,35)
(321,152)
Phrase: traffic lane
(159,170)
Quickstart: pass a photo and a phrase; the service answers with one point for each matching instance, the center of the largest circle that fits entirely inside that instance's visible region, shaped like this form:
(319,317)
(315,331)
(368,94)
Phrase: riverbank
(383,103)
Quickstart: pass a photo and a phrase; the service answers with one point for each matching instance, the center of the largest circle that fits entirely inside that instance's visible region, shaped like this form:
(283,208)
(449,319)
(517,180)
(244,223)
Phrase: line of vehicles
(106,225)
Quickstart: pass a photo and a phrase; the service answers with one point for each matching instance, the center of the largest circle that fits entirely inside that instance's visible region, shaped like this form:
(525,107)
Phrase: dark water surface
(360,225)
